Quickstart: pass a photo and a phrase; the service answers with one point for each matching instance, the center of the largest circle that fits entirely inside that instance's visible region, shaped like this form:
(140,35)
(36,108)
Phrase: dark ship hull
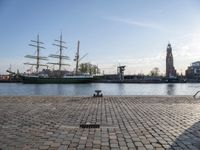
(50,80)
(175,80)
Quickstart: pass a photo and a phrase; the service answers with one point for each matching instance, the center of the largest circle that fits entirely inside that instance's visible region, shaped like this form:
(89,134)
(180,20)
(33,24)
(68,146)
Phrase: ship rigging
(38,46)
(59,43)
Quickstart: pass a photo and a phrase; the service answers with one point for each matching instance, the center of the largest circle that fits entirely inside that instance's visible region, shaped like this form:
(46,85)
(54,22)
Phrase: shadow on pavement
(190,139)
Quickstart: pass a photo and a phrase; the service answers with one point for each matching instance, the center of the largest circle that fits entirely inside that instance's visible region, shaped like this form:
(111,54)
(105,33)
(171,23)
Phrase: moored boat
(55,80)
(54,76)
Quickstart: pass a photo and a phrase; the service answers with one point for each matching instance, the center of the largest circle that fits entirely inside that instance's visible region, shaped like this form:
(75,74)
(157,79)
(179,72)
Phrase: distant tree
(154,72)
(83,68)
(89,68)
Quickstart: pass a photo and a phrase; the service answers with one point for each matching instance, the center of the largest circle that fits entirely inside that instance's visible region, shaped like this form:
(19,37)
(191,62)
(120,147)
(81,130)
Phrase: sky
(134,33)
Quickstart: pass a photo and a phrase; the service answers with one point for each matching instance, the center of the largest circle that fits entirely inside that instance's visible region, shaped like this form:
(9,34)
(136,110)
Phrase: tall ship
(49,76)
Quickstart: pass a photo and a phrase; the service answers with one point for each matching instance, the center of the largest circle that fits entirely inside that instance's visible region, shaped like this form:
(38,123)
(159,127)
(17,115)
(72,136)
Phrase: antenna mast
(36,44)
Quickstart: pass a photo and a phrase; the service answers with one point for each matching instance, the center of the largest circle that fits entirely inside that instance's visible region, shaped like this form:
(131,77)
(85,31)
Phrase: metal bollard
(98,93)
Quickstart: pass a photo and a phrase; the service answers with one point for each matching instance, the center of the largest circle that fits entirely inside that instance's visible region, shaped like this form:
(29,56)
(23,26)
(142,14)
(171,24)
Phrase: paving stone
(114,145)
(81,146)
(96,146)
(105,148)
(123,148)
(105,143)
(130,145)
(44,147)
(141,148)
(73,145)
(55,144)
(63,147)
(131,122)
(96,142)
(160,149)
(138,144)
(149,147)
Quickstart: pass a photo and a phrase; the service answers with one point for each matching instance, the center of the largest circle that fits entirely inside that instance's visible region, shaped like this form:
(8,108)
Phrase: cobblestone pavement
(125,123)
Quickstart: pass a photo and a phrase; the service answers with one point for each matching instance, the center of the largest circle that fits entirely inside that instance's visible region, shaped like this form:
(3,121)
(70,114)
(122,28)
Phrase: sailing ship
(54,76)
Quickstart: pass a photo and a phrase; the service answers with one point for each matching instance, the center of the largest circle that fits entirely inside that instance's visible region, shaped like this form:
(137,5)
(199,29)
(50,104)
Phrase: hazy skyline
(134,33)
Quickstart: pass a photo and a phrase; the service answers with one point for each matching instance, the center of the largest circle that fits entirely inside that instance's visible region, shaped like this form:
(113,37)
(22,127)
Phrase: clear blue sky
(134,33)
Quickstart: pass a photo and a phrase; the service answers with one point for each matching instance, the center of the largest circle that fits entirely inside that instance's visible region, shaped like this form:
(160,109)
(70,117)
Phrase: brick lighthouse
(170,70)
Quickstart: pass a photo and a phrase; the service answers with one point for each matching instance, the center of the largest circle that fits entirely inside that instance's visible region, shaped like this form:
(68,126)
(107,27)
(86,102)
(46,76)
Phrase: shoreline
(189,97)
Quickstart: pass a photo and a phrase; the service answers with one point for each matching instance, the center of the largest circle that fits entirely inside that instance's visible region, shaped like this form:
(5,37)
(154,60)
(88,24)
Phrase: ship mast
(59,43)
(38,46)
(77,58)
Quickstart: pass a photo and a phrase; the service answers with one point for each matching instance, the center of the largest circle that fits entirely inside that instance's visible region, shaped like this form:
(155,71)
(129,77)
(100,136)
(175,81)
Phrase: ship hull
(41,80)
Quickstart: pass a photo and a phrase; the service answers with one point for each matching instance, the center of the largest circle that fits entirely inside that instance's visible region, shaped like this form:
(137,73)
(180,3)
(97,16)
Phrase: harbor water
(19,89)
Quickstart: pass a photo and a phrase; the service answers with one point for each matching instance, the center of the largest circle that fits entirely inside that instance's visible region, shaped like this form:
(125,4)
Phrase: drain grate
(89,126)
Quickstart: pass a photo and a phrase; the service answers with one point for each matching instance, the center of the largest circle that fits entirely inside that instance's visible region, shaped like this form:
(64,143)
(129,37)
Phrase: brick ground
(125,123)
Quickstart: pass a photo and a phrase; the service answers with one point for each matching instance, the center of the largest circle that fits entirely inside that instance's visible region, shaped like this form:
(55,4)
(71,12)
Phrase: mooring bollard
(97,93)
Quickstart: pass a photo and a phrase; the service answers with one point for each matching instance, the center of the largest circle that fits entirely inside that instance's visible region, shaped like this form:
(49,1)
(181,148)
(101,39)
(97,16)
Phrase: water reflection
(120,89)
(37,90)
(60,89)
(170,89)
(107,89)
(83,89)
